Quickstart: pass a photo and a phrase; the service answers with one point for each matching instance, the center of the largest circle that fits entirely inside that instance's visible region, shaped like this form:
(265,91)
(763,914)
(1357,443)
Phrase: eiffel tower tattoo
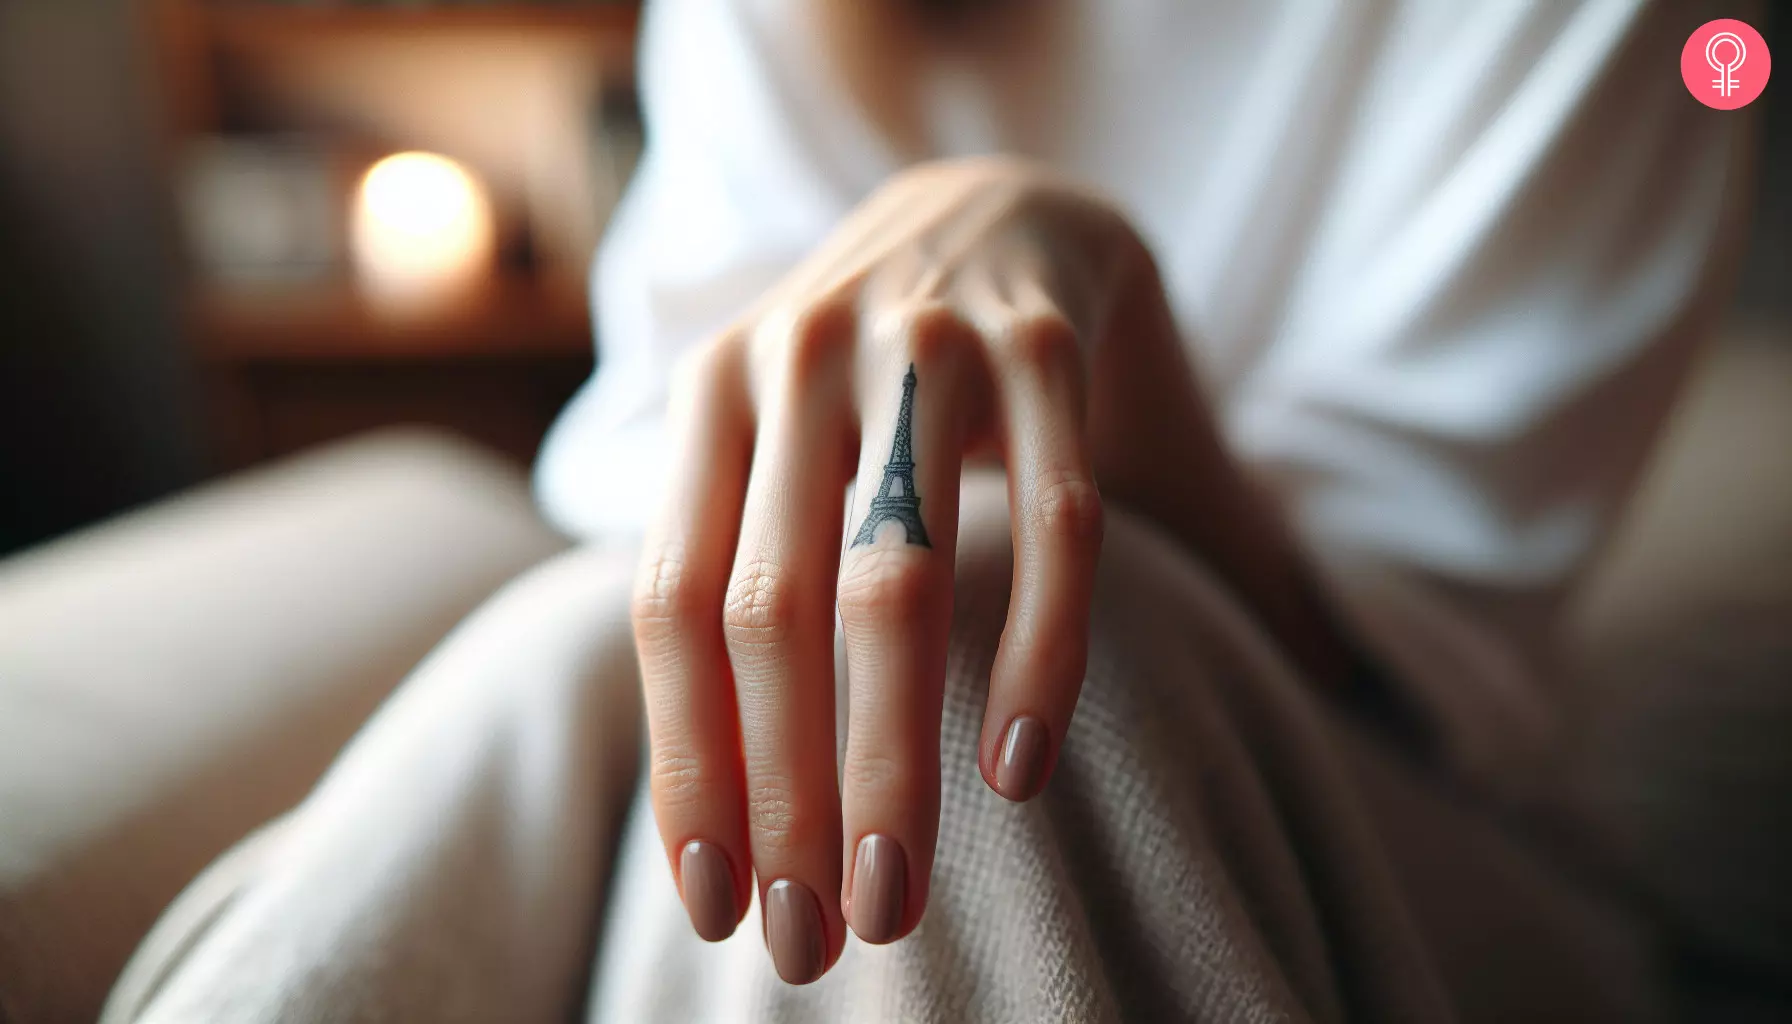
(897,499)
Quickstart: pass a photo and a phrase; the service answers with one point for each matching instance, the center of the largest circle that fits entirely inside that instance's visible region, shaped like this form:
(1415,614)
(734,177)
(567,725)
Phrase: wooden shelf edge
(333,324)
(254,23)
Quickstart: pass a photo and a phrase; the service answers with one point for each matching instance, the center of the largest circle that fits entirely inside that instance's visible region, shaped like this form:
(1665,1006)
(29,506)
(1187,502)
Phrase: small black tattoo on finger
(896,500)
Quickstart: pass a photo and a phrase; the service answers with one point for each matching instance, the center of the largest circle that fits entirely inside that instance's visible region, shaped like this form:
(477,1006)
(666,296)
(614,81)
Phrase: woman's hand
(966,308)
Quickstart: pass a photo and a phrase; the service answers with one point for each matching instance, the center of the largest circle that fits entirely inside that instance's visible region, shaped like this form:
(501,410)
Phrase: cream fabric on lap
(449,866)
(173,678)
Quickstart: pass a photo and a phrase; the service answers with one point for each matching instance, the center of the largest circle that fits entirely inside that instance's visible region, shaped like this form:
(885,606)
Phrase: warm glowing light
(422,229)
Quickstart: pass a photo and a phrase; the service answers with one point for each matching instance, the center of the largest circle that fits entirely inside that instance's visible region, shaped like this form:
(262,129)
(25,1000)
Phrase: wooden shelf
(333,324)
(253,23)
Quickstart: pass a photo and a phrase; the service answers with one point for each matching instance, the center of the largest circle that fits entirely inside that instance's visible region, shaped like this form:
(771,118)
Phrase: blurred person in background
(1233,392)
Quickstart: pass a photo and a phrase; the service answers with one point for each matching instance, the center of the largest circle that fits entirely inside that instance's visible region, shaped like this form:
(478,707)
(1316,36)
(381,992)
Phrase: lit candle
(421,232)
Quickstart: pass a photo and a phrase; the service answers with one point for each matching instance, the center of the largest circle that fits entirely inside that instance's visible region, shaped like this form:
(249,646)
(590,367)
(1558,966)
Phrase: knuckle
(878,778)
(665,601)
(936,335)
(1069,509)
(701,373)
(1042,342)
(760,607)
(679,783)
(779,827)
(884,588)
(817,340)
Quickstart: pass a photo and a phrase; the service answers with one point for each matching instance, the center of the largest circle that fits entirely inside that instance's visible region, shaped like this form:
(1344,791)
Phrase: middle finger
(895,604)
(778,622)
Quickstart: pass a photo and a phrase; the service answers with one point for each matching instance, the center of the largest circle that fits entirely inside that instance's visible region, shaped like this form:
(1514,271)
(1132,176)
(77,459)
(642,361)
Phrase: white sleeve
(748,163)
(1473,392)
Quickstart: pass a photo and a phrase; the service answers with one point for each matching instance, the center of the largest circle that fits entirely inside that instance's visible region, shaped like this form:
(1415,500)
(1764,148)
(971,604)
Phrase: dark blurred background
(183,290)
(186,284)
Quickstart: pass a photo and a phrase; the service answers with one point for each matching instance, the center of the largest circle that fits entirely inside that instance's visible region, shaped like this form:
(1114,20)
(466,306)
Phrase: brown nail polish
(879,886)
(708,883)
(793,931)
(1020,765)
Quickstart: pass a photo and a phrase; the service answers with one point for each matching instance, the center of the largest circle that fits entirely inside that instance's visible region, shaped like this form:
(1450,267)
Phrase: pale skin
(1041,344)
(1044,351)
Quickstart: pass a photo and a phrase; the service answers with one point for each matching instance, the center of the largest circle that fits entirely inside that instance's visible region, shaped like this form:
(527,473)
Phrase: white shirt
(1441,263)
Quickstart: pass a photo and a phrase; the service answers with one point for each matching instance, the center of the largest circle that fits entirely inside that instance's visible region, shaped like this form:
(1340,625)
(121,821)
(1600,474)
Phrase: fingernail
(793,931)
(1020,768)
(708,883)
(879,883)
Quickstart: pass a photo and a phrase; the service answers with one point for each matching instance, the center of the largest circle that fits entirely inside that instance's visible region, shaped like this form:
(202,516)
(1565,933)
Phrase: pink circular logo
(1725,64)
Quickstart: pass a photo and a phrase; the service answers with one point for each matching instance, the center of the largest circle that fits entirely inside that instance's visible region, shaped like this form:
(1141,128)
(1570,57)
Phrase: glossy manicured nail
(879,885)
(793,931)
(708,882)
(1020,766)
